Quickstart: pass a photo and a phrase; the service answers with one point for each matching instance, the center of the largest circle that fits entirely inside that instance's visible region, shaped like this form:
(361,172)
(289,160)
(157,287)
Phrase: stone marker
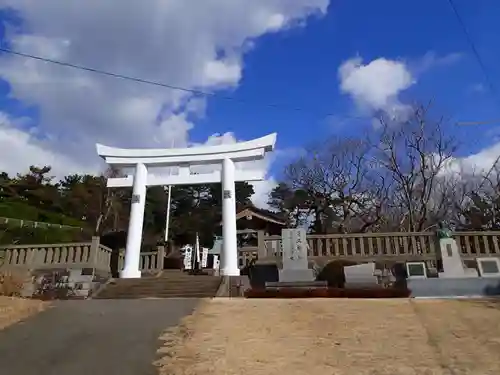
(453,266)
(361,274)
(295,263)
(416,270)
(489,267)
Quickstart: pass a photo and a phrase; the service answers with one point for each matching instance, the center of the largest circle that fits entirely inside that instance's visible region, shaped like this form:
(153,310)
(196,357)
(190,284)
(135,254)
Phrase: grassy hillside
(23,211)
(25,225)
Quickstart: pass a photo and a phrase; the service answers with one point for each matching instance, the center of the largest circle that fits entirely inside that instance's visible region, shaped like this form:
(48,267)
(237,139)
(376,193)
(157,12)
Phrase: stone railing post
(31,259)
(94,252)
(161,257)
(261,244)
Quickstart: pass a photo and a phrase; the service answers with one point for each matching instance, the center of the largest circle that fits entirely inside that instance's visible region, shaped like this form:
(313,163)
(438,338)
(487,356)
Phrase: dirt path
(96,337)
(314,336)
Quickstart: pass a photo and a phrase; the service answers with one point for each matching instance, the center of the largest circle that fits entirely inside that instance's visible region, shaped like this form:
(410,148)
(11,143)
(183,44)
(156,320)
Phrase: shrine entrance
(145,160)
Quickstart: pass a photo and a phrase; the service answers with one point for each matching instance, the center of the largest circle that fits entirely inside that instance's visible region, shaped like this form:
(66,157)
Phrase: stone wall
(458,287)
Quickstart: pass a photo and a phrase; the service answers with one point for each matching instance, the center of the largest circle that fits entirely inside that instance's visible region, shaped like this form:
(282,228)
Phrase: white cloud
(431,60)
(20,149)
(479,163)
(198,47)
(376,86)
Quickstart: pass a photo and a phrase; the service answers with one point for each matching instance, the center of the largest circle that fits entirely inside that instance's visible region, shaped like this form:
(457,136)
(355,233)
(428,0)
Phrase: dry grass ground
(13,310)
(324,337)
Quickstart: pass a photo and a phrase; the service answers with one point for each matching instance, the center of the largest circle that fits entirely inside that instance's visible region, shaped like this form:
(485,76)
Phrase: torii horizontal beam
(243,151)
(191,179)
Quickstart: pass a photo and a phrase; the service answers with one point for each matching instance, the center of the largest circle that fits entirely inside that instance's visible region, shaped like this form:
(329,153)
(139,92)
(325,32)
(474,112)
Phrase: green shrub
(327,293)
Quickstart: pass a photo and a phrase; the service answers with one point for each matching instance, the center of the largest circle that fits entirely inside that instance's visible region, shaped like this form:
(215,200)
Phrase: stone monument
(453,266)
(295,263)
(361,274)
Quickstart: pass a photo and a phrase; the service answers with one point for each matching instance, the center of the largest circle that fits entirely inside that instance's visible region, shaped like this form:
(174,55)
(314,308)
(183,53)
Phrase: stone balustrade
(152,261)
(367,247)
(80,255)
(358,247)
(478,244)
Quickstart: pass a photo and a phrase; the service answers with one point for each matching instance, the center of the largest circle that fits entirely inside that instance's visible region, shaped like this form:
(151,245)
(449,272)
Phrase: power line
(106,73)
(472,46)
(160,84)
(486,122)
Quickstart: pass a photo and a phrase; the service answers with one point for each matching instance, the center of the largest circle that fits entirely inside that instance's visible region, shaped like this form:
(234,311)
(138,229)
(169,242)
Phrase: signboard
(136,198)
(216,264)
(227,194)
(204,257)
(188,257)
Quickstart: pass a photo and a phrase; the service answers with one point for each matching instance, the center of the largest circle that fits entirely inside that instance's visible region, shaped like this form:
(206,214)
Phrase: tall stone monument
(453,266)
(295,263)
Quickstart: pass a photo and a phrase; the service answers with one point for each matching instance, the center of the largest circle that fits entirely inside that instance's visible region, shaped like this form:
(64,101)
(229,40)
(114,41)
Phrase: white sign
(204,257)
(188,257)
(216,265)
(294,246)
(489,267)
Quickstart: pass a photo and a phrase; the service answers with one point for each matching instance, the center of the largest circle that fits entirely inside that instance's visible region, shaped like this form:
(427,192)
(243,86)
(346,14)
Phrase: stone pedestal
(296,275)
(453,266)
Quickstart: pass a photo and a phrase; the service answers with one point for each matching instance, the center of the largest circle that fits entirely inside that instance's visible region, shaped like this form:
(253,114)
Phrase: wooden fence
(73,255)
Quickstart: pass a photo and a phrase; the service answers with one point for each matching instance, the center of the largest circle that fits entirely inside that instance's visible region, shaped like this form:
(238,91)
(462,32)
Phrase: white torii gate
(185,158)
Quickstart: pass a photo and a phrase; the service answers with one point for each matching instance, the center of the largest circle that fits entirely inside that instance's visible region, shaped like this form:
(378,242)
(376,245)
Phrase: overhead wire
(166,85)
(486,75)
(474,49)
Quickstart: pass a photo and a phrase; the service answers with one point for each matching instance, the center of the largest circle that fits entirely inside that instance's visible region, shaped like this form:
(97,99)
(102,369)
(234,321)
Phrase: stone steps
(168,285)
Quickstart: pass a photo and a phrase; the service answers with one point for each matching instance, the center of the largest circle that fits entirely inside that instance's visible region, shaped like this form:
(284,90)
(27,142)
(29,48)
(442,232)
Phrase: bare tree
(110,201)
(414,155)
(344,193)
(480,208)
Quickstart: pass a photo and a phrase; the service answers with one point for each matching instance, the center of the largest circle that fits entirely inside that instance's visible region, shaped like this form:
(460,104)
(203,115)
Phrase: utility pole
(167,221)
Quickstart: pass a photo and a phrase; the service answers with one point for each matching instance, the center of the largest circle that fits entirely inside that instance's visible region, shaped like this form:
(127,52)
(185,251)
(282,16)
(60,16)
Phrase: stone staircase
(170,284)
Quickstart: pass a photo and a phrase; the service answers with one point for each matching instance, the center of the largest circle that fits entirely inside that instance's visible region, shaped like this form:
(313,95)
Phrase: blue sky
(414,48)
(298,68)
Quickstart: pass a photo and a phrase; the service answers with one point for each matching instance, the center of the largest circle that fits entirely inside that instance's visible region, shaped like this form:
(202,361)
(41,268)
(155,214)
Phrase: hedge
(328,293)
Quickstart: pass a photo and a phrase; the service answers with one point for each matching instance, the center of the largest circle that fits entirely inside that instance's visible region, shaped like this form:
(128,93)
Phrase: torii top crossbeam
(243,151)
(184,158)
